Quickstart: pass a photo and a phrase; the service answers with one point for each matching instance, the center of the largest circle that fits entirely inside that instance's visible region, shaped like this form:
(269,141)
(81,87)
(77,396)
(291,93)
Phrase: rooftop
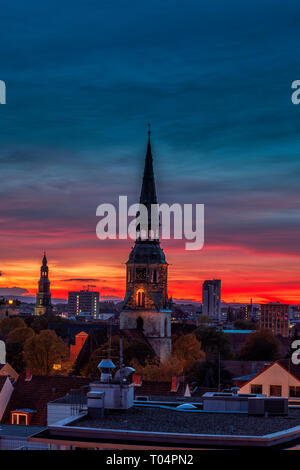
(168,420)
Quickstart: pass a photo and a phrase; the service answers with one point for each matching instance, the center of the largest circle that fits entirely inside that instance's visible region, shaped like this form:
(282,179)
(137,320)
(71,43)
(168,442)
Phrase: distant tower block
(43,297)
(146,305)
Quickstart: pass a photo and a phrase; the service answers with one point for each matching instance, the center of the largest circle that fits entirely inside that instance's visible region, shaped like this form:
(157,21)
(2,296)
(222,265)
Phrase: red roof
(36,393)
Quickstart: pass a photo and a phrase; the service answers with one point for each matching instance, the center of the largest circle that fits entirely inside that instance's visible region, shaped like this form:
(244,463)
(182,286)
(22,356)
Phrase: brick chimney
(28,374)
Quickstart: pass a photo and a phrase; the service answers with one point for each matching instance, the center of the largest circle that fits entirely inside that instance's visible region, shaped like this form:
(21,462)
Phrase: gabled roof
(36,393)
(268,367)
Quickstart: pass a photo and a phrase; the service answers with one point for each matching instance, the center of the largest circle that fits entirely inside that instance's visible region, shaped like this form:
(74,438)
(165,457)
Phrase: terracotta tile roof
(36,393)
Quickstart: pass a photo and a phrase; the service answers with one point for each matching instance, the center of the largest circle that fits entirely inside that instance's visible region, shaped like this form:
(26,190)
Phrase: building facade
(273,381)
(146,304)
(211,298)
(43,297)
(275,317)
(83,302)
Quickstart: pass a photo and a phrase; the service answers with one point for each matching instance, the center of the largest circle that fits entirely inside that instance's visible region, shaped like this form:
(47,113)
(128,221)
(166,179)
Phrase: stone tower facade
(146,304)
(43,297)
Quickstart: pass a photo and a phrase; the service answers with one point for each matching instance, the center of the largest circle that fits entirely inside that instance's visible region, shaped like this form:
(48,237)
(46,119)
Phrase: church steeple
(43,296)
(145,306)
(148,192)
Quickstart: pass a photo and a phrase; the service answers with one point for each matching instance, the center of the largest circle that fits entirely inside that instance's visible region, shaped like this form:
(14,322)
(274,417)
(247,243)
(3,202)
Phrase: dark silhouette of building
(43,297)
(275,317)
(146,305)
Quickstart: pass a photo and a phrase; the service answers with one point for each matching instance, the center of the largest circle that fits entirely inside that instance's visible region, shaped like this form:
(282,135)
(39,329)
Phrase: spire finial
(149,129)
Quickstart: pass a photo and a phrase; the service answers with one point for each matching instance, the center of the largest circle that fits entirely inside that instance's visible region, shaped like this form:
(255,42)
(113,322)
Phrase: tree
(9,324)
(260,346)
(15,357)
(138,351)
(43,351)
(39,323)
(20,335)
(203,319)
(160,372)
(244,325)
(188,349)
(109,349)
(213,342)
(207,374)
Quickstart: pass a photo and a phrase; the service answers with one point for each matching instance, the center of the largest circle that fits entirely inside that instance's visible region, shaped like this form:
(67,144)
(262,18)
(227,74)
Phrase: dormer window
(21,417)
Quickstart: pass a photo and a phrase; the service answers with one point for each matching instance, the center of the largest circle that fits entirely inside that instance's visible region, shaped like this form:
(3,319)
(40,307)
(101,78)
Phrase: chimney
(175,384)
(137,380)
(28,375)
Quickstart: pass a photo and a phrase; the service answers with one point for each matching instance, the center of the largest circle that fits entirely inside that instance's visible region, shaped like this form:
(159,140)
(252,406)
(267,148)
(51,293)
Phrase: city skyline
(225,134)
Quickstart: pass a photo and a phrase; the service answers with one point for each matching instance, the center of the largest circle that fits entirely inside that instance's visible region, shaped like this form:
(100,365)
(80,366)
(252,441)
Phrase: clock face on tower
(140,274)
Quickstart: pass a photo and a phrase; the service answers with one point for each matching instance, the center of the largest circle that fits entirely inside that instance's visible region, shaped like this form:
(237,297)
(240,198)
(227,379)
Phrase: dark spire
(148,192)
(44,267)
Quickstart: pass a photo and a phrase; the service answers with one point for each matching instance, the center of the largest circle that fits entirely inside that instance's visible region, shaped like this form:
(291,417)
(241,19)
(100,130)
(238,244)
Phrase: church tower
(43,297)
(146,305)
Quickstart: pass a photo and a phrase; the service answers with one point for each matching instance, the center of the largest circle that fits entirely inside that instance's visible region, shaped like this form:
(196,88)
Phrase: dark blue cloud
(84,78)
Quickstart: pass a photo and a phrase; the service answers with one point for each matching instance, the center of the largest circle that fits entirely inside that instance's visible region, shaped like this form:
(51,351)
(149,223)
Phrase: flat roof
(17,430)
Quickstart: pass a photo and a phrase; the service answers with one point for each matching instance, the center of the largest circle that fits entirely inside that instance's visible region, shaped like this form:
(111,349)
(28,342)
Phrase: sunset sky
(214,79)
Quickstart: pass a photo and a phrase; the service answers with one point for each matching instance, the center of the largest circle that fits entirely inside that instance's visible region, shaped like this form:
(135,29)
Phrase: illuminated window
(140,298)
(19,418)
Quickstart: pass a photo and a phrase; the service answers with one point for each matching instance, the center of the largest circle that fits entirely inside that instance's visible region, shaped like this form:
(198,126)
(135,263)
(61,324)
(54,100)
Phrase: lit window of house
(21,417)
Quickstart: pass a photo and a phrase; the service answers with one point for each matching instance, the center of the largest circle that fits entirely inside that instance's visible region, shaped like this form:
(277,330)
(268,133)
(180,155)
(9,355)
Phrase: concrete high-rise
(83,302)
(211,298)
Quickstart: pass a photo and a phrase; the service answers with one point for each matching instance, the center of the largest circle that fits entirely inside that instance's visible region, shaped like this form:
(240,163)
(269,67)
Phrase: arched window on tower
(140,298)
(154,276)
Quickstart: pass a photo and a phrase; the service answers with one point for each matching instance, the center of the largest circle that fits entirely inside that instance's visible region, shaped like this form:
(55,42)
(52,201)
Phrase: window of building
(19,418)
(275,390)
(294,391)
(140,298)
(255,388)
(154,275)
